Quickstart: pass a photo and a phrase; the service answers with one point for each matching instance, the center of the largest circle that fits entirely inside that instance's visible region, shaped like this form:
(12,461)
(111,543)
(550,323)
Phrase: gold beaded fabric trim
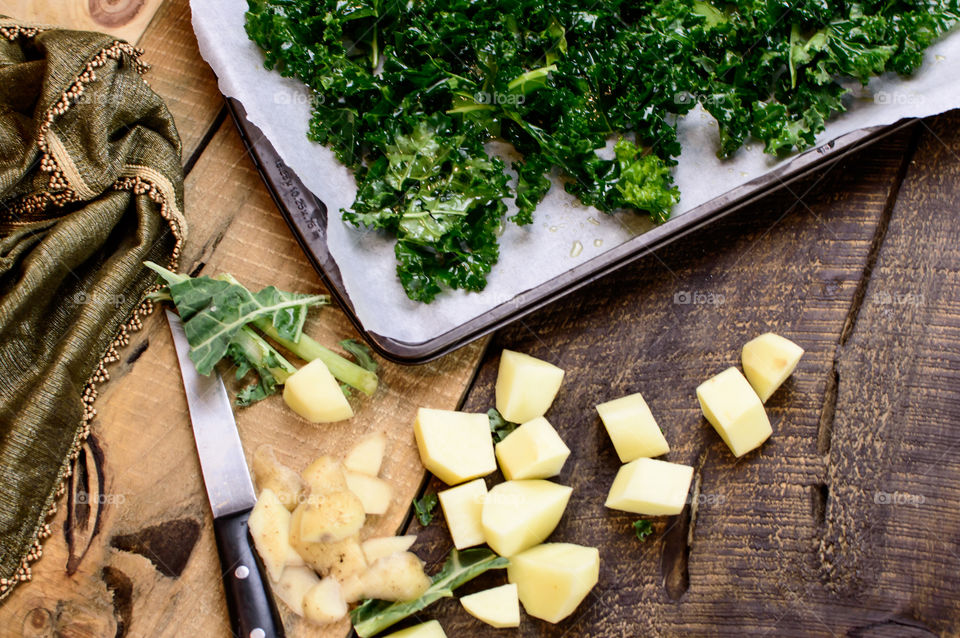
(140,183)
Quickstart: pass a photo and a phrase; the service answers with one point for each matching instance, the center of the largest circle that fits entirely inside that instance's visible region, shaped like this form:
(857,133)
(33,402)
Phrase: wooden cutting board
(138,559)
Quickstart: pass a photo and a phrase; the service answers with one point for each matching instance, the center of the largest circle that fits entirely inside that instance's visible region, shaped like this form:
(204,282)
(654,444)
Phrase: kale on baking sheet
(408,94)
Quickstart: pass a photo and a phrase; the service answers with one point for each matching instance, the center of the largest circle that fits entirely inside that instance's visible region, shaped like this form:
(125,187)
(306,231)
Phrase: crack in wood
(828,410)
(138,351)
(84,503)
(678,540)
(167,545)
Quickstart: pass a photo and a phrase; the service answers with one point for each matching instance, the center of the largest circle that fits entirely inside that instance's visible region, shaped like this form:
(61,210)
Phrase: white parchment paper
(565,233)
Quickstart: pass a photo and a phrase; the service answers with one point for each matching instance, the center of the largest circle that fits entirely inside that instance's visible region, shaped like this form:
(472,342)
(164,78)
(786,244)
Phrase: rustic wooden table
(845,523)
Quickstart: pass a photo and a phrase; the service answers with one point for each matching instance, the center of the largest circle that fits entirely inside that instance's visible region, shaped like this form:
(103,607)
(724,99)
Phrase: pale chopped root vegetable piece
(375,494)
(767,362)
(323,603)
(553,578)
(455,446)
(735,411)
(324,474)
(376,548)
(293,585)
(462,508)
(519,514)
(395,577)
(532,451)
(632,428)
(315,394)
(271,474)
(269,526)
(651,487)
(331,516)
(352,588)
(429,629)
(526,386)
(498,607)
(339,559)
(366,457)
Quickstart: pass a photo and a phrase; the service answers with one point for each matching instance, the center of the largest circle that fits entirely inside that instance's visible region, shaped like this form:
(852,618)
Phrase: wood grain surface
(844,524)
(126,19)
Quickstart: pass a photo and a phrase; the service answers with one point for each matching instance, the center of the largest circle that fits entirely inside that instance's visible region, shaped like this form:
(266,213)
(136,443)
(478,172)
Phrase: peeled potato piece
(553,578)
(376,548)
(532,451)
(293,585)
(632,428)
(315,394)
(767,362)
(462,507)
(735,411)
(455,446)
(519,514)
(429,629)
(399,576)
(273,475)
(269,526)
(366,457)
(498,607)
(375,494)
(526,386)
(323,603)
(650,486)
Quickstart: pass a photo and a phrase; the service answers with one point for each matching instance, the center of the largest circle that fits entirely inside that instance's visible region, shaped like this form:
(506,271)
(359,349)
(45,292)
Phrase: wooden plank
(126,19)
(892,529)
(179,75)
(661,327)
(152,566)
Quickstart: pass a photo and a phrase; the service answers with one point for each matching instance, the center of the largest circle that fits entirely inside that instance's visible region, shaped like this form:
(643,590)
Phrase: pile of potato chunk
(306,528)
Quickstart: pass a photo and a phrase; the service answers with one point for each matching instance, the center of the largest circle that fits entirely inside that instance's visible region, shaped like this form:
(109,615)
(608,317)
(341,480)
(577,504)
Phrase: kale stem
(259,351)
(308,349)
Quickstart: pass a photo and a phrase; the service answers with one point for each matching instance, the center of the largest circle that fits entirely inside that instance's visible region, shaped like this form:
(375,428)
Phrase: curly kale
(408,94)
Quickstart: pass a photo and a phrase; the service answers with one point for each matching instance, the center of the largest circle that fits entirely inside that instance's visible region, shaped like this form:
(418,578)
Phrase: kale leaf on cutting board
(408,94)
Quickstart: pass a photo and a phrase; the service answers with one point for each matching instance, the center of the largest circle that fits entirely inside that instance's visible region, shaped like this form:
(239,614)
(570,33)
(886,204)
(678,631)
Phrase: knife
(253,613)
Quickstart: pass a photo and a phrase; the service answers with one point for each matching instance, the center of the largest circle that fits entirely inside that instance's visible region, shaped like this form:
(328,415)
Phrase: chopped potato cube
(323,603)
(331,516)
(553,579)
(269,526)
(293,585)
(649,486)
(519,514)
(376,548)
(632,428)
(375,494)
(429,629)
(735,411)
(315,394)
(271,474)
(767,362)
(324,474)
(498,607)
(455,446)
(526,386)
(462,506)
(367,455)
(399,576)
(534,450)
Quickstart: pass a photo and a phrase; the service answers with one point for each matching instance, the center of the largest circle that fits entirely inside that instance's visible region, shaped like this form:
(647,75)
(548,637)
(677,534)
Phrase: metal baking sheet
(307,218)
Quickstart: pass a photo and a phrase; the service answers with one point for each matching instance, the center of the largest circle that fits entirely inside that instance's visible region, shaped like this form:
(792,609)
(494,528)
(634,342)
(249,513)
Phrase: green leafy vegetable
(213,311)
(361,353)
(373,616)
(408,94)
(642,528)
(219,315)
(499,427)
(423,507)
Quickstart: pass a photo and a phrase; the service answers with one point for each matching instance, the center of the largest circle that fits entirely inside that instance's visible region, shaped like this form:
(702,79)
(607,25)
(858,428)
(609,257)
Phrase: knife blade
(253,613)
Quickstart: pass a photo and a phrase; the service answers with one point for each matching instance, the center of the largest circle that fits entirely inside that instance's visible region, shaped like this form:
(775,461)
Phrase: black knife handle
(253,613)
